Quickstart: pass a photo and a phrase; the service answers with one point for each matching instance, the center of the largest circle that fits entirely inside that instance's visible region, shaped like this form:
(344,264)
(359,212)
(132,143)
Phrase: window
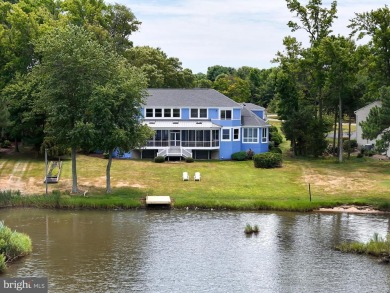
(167,113)
(162,113)
(149,112)
(176,113)
(264,135)
(250,135)
(236,133)
(199,113)
(202,113)
(226,114)
(157,112)
(194,113)
(226,134)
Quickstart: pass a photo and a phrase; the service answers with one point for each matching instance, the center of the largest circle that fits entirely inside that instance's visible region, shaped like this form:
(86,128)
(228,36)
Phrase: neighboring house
(200,123)
(361,115)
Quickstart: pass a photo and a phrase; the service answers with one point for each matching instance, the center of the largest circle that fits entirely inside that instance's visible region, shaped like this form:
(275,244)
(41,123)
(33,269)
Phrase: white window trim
(230,134)
(248,142)
(264,139)
(228,109)
(239,134)
(198,116)
(162,113)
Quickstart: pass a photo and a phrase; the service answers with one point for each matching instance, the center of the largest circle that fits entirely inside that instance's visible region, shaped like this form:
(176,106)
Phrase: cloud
(202,33)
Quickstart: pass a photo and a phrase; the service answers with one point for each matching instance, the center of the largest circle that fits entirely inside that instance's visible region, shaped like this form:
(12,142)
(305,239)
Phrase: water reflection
(196,251)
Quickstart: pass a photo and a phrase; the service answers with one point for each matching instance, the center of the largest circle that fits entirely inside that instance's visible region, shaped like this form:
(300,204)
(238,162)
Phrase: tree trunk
(334,134)
(74,171)
(340,131)
(108,172)
(16,145)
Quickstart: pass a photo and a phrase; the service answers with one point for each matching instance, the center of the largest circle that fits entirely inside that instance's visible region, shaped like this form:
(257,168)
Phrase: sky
(204,33)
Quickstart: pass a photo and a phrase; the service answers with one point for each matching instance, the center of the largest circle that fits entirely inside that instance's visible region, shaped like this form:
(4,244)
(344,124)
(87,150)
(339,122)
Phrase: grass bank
(224,185)
(13,245)
(377,246)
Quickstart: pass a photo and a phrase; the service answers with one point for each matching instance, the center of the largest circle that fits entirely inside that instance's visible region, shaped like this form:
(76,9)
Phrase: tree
(233,87)
(162,71)
(378,121)
(376,25)
(214,71)
(71,67)
(317,22)
(27,116)
(114,110)
(337,54)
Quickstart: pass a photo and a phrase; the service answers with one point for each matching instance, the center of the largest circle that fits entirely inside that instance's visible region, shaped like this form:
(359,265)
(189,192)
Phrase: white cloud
(202,33)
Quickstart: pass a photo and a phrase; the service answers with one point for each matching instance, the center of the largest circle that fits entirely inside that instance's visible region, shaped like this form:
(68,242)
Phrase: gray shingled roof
(252,107)
(188,98)
(248,118)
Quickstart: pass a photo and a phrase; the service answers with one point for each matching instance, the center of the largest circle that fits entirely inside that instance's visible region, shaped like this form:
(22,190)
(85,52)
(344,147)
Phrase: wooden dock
(159,200)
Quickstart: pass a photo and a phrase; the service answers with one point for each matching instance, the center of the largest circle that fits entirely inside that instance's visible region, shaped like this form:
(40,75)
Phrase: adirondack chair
(186,177)
(197,176)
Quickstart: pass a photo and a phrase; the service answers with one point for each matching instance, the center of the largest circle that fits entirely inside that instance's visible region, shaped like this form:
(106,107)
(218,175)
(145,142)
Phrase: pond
(197,251)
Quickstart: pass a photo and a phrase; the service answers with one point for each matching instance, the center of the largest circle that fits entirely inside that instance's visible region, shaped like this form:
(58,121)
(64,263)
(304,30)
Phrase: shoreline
(352,209)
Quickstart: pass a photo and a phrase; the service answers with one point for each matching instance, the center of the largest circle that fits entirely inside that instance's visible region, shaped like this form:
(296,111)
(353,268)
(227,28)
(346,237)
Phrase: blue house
(200,123)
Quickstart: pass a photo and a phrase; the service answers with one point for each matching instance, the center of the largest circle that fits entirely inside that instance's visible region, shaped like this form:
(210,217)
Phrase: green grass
(13,245)
(233,185)
(377,246)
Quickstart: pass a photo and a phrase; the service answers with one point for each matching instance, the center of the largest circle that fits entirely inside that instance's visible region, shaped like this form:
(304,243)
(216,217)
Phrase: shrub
(276,150)
(105,155)
(189,160)
(350,144)
(6,144)
(2,263)
(360,155)
(267,160)
(239,156)
(159,159)
(276,138)
(12,245)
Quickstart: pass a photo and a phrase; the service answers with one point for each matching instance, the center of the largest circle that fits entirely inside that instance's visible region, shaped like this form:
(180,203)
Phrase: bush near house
(275,137)
(189,160)
(268,160)
(276,150)
(159,159)
(239,156)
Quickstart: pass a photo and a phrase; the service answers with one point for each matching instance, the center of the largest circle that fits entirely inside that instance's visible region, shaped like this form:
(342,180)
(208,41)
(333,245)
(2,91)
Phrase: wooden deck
(158,200)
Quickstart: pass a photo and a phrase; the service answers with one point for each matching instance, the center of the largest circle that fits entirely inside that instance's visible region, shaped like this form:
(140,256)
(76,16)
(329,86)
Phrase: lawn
(224,184)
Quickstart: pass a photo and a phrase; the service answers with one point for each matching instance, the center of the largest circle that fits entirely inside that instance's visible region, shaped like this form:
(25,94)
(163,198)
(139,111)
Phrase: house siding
(361,115)
(204,137)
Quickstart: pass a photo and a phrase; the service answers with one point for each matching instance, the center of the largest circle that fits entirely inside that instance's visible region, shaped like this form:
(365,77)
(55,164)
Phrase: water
(197,251)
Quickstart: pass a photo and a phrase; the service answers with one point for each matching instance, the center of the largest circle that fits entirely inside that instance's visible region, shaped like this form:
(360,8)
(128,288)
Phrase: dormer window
(198,113)
(226,114)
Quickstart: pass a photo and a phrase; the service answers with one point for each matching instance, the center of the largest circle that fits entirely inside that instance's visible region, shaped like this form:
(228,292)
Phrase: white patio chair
(186,177)
(197,176)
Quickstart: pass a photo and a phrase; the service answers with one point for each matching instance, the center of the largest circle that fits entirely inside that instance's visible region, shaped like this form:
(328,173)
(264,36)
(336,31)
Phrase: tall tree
(338,56)
(162,71)
(317,21)
(376,24)
(72,66)
(115,114)
(214,71)
(233,87)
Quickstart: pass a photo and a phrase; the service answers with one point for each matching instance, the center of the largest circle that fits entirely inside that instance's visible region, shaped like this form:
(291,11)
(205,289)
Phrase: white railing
(162,153)
(186,153)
